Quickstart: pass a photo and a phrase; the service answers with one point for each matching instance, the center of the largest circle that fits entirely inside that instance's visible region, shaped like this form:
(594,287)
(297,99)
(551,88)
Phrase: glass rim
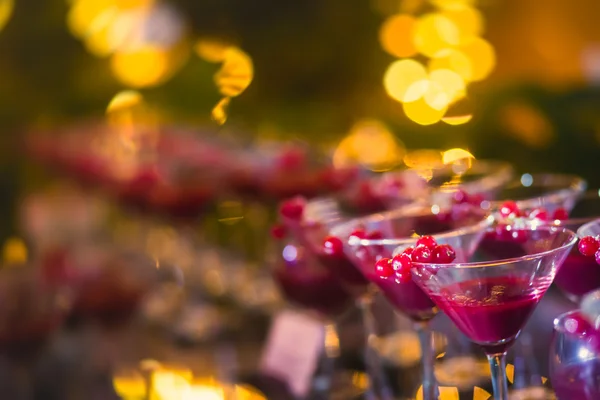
(505,261)
(416,209)
(568,185)
(582,231)
(558,321)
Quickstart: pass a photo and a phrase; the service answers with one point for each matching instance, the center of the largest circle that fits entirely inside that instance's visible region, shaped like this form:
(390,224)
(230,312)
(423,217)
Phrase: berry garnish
(427,241)
(422,254)
(597,257)
(588,246)
(539,213)
(401,265)
(278,231)
(333,246)
(443,254)
(358,234)
(509,209)
(560,214)
(408,251)
(374,235)
(293,208)
(460,197)
(383,268)
(519,235)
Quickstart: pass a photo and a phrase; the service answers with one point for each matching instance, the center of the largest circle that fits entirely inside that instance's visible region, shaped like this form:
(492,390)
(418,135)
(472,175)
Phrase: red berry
(427,241)
(293,208)
(443,254)
(408,251)
(460,197)
(539,213)
(421,254)
(509,208)
(503,233)
(401,265)
(476,200)
(374,235)
(383,268)
(560,214)
(358,234)
(333,246)
(597,256)
(588,246)
(278,231)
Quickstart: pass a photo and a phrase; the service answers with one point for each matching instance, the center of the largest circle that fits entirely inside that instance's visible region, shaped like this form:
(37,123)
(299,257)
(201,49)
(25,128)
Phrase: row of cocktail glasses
(484,263)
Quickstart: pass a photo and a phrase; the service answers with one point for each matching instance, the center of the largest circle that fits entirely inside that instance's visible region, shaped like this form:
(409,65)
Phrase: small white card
(292,350)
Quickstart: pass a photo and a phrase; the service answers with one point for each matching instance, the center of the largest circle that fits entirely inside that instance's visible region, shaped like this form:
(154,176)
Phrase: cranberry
(358,234)
(443,254)
(383,268)
(374,235)
(422,254)
(560,214)
(588,246)
(293,208)
(401,265)
(476,199)
(503,233)
(509,208)
(278,231)
(408,251)
(427,241)
(460,197)
(333,246)
(597,256)
(539,213)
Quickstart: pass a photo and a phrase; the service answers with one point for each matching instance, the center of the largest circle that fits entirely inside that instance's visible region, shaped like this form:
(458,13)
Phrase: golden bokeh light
(456,155)
(219,112)
(452,84)
(424,162)
(85,16)
(131,385)
(401,76)
(459,112)
(124,100)
(14,251)
(452,4)
(482,58)
(371,144)
(6,11)
(445,393)
(422,113)
(396,35)
(434,33)
(235,74)
(467,19)
(453,60)
(145,67)
(527,124)
(211,50)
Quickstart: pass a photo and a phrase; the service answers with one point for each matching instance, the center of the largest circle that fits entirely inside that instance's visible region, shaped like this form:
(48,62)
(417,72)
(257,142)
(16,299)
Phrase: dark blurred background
(318,69)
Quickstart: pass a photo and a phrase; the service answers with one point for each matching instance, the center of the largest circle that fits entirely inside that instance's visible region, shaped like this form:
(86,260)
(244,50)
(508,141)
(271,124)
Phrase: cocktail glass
(575,356)
(490,299)
(548,191)
(402,228)
(580,274)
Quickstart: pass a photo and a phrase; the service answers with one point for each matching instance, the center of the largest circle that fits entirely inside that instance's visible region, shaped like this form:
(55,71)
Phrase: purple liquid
(578,275)
(578,381)
(492,311)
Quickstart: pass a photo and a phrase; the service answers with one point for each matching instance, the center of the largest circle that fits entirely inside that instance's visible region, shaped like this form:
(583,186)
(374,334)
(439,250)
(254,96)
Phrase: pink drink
(578,382)
(490,311)
(578,275)
(575,369)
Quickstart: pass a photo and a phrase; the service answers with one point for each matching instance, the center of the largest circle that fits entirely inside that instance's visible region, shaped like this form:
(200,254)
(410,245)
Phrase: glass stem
(374,367)
(324,381)
(430,389)
(498,368)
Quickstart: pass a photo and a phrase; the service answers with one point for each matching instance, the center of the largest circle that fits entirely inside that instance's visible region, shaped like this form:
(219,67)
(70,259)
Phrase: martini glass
(392,229)
(549,191)
(580,274)
(491,298)
(575,352)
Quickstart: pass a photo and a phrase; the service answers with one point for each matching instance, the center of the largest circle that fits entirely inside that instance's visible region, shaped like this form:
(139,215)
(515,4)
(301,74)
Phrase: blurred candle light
(14,251)
(6,10)
(130,386)
(396,35)
(403,75)
(434,33)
